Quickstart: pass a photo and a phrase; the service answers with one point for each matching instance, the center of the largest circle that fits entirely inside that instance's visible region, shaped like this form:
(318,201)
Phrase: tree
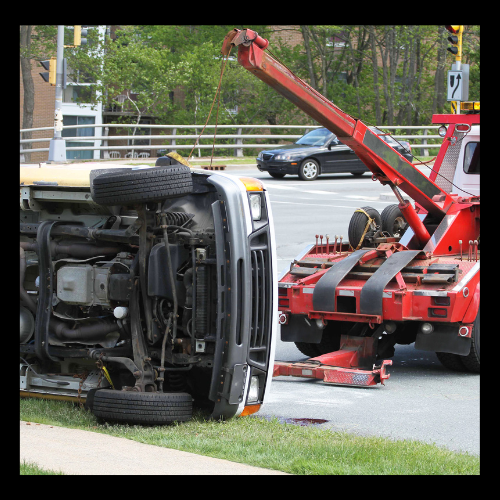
(36,43)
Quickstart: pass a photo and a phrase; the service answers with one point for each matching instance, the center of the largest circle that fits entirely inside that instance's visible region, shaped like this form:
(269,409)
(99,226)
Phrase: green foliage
(41,44)
(381,74)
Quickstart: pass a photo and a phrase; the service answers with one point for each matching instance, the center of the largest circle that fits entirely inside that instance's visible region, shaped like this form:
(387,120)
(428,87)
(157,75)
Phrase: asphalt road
(422,400)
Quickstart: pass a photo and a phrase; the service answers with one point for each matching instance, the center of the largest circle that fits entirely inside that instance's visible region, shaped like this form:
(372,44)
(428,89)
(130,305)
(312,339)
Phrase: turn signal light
(252,184)
(248,410)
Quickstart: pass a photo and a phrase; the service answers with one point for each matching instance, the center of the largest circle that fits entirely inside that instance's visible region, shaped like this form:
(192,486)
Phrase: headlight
(287,156)
(255,205)
(253,391)
(259,156)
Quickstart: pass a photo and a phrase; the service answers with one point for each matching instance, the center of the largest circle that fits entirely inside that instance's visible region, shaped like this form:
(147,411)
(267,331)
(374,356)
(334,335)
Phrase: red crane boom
(387,165)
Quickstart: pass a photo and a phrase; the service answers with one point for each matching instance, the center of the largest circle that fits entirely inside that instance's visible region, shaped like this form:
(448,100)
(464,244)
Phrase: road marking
(314,204)
(319,192)
(332,206)
(272,184)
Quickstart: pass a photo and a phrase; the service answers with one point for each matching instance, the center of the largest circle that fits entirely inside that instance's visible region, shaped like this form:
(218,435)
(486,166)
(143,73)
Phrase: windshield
(318,137)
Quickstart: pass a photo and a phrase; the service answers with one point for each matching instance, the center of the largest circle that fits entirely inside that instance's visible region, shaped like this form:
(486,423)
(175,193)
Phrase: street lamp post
(57,145)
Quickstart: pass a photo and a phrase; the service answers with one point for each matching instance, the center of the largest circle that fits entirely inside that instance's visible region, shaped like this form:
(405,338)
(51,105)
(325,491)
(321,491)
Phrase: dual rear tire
(469,363)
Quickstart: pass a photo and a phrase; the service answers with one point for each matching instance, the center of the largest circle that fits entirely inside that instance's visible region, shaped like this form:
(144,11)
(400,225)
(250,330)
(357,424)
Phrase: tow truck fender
(471,313)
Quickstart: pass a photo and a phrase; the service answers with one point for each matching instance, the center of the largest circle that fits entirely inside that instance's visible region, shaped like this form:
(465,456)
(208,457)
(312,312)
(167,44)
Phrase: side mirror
(335,142)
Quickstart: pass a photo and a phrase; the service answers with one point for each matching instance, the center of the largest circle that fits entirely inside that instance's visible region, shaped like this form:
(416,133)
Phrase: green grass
(32,469)
(270,444)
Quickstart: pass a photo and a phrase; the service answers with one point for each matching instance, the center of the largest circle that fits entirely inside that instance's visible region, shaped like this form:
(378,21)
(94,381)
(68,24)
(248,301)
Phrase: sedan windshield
(318,137)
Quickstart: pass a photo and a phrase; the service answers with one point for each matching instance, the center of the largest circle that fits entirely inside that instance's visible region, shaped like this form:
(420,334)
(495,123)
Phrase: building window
(79,132)
(78,93)
(78,120)
(79,155)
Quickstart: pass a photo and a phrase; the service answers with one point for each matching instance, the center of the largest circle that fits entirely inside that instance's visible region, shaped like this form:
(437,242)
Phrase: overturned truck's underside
(139,292)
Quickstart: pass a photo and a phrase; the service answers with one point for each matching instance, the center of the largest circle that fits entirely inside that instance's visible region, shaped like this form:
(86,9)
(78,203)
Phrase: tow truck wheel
(310,350)
(471,361)
(393,221)
(451,361)
(330,341)
(309,170)
(357,225)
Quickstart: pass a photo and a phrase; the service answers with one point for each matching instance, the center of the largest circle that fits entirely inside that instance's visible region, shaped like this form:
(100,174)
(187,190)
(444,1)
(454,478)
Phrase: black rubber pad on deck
(370,300)
(324,291)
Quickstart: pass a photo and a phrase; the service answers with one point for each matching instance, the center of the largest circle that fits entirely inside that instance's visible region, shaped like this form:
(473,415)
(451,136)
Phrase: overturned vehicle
(145,292)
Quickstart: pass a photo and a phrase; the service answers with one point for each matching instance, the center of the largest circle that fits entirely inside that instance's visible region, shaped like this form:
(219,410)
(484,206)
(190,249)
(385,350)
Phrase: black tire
(142,408)
(310,350)
(330,340)
(357,225)
(471,361)
(393,221)
(276,175)
(309,170)
(357,174)
(451,361)
(142,185)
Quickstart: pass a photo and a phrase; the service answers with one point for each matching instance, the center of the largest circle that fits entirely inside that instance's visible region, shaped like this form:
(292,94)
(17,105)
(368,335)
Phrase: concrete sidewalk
(77,452)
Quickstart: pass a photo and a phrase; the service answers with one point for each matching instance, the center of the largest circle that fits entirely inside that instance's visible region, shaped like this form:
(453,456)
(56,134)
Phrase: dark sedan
(318,152)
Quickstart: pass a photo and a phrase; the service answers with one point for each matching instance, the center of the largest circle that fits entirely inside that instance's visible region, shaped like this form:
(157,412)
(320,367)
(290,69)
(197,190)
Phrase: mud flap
(370,300)
(444,338)
(324,291)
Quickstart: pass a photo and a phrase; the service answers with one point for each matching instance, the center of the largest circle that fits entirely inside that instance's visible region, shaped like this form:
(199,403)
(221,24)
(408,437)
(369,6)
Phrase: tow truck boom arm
(388,166)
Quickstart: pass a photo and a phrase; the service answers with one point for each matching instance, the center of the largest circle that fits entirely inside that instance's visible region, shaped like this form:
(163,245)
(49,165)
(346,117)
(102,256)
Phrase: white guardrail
(238,138)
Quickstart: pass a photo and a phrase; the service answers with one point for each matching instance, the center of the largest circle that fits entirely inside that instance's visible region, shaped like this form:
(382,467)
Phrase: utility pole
(57,146)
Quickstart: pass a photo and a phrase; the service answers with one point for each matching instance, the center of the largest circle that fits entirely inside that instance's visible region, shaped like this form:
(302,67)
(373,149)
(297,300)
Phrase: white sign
(455,85)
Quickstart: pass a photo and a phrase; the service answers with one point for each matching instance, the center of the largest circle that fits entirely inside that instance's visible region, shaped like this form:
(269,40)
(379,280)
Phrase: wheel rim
(398,227)
(310,170)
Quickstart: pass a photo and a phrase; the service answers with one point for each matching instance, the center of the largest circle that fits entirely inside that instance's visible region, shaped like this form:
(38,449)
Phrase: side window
(471,158)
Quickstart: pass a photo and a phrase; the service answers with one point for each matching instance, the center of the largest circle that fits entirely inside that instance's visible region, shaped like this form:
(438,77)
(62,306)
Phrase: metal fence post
(22,158)
(105,143)
(238,141)
(172,141)
(199,151)
(424,141)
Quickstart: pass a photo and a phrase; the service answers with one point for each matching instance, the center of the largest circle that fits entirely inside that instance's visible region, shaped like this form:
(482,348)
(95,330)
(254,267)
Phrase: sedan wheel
(309,170)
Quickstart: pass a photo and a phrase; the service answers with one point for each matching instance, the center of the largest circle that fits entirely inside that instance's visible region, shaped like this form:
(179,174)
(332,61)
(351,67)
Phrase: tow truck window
(471,158)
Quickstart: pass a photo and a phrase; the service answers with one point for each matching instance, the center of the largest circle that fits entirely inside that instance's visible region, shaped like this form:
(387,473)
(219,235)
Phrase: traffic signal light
(50,74)
(80,36)
(456,40)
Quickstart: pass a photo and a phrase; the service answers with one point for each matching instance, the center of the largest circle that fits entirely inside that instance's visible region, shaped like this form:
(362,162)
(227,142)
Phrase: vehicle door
(337,157)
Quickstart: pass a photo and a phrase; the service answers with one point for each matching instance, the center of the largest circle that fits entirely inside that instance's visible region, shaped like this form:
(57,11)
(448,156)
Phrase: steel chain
(82,377)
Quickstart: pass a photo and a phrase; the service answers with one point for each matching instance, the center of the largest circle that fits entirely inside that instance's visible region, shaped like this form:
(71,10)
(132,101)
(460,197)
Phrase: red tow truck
(408,275)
